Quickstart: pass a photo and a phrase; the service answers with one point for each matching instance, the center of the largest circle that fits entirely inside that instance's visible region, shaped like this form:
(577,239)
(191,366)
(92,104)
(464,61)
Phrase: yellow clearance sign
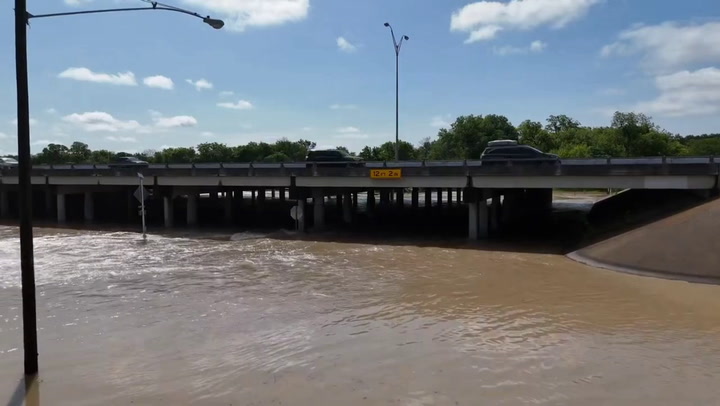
(386,173)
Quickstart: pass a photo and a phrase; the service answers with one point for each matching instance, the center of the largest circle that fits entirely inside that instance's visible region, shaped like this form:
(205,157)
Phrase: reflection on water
(252,320)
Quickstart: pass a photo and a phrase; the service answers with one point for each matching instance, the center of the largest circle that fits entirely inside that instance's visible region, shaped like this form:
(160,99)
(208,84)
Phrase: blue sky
(324,69)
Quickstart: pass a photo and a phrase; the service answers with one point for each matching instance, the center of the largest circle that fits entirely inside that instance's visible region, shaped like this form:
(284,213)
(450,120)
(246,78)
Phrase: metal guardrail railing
(385,164)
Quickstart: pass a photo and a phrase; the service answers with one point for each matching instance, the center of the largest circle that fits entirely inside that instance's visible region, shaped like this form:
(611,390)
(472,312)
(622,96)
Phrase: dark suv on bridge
(504,151)
(333,156)
(127,162)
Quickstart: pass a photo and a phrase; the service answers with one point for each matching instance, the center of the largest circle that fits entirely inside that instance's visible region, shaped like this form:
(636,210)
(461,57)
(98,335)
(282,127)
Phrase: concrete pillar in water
(458,192)
(439,198)
(4,204)
(370,202)
(261,196)
(61,214)
(428,198)
(449,197)
(339,201)
(272,194)
(318,208)
(347,208)
(168,210)
(415,198)
(495,212)
(49,195)
(355,201)
(89,207)
(301,213)
(282,194)
(384,196)
(228,203)
(253,194)
(400,197)
(477,215)
(192,209)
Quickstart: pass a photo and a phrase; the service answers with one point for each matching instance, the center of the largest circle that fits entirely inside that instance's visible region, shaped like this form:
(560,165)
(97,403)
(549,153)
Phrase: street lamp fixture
(27,266)
(397,45)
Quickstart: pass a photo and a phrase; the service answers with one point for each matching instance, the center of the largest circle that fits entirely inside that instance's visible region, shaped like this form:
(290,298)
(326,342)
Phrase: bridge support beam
(89,207)
(439,198)
(370,202)
(477,215)
(384,197)
(428,198)
(415,197)
(301,215)
(168,210)
(4,204)
(400,197)
(318,208)
(192,209)
(228,206)
(347,208)
(61,214)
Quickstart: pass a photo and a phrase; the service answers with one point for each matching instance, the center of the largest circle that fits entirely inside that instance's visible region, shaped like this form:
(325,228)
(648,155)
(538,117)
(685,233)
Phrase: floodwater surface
(254,320)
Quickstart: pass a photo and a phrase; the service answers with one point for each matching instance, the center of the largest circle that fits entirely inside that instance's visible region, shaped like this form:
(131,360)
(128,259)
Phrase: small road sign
(141,193)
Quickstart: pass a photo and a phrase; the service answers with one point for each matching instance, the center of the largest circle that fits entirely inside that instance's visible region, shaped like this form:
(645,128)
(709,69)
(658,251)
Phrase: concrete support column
(355,201)
(4,204)
(261,196)
(301,214)
(168,210)
(449,197)
(339,201)
(400,197)
(318,208)
(477,216)
(459,194)
(439,198)
(347,208)
(384,196)
(272,194)
(371,202)
(428,198)
(49,195)
(213,195)
(89,207)
(228,203)
(282,194)
(253,195)
(192,209)
(61,213)
(415,198)
(238,195)
(495,212)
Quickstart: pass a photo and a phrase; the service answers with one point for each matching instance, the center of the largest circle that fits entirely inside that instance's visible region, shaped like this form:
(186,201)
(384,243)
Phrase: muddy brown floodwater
(261,321)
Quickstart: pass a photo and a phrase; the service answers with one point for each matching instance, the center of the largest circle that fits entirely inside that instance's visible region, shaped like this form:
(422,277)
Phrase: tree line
(628,135)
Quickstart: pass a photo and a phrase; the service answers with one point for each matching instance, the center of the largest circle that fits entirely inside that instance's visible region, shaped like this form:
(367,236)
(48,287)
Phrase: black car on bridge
(509,151)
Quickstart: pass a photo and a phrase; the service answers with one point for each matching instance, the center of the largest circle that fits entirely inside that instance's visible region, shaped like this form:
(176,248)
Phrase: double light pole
(27,266)
(397,45)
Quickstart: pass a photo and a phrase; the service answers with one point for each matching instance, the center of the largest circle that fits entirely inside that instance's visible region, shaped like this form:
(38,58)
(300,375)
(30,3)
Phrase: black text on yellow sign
(386,173)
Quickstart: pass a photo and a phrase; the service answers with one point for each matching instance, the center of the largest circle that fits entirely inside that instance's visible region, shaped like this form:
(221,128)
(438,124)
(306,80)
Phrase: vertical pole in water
(27,264)
(142,205)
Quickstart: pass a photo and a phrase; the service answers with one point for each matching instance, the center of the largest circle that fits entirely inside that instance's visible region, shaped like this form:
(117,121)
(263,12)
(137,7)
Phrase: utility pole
(397,45)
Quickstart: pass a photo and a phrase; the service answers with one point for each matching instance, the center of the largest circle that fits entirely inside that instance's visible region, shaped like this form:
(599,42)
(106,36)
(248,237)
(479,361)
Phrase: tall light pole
(397,46)
(27,266)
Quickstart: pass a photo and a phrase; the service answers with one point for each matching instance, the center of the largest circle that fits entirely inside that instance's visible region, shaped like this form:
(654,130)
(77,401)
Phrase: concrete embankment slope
(684,246)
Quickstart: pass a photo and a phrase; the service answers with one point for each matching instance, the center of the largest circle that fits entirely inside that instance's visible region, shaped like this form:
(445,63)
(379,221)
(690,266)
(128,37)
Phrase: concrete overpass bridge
(486,190)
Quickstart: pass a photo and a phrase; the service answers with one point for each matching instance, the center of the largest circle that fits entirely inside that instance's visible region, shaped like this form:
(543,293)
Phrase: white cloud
(159,81)
(485,19)
(534,47)
(343,107)
(686,93)
(345,45)
(76,3)
(101,121)
(669,46)
(86,75)
(45,143)
(207,134)
(348,130)
(240,14)
(226,93)
(120,139)
(440,121)
(200,84)
(175,121)
(239,105)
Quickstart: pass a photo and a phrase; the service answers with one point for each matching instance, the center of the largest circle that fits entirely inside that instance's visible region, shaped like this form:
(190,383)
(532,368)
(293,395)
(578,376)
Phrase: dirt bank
(685,246)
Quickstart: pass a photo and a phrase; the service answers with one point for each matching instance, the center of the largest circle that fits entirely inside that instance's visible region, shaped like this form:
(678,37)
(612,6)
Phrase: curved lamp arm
(215,23)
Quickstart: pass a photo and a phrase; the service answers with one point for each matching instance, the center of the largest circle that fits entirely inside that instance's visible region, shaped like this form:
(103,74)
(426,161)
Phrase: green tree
(53,154)
(557,124)
(79,153)
(102,156)
(214,152)
(532,133)
(179,155)
(469,135)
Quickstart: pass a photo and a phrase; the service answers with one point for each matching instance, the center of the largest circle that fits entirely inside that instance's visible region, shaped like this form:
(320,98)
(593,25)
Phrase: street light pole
(397,45)
(27,265)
